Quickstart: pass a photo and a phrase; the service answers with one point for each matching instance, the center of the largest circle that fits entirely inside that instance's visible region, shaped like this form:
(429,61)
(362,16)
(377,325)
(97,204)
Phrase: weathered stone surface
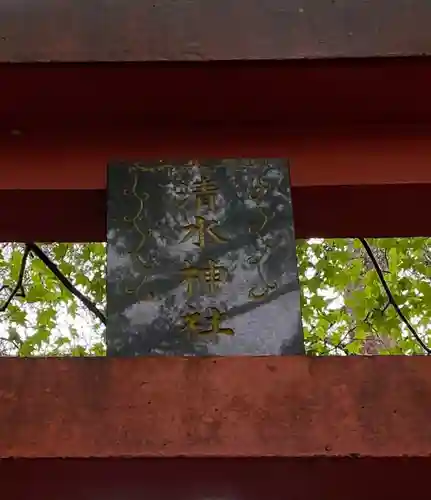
(201,259)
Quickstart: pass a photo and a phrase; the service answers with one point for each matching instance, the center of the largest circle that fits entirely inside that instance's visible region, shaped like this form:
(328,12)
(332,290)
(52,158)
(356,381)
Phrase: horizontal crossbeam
(203,407)
(357,135)
(184,30)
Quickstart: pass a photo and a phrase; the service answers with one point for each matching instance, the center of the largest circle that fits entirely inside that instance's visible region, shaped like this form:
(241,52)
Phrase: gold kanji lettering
(212,275)
(202,228)
(193,322)
(205,192)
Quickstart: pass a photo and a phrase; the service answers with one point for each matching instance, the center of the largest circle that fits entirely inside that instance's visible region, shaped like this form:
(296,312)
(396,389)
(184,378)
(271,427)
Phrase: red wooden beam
(296,93)
(357,134)
(159,30)
(211,478)
(203,407)
(345,211)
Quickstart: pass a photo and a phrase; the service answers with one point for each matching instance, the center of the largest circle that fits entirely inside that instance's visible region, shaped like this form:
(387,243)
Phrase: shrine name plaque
(202,259)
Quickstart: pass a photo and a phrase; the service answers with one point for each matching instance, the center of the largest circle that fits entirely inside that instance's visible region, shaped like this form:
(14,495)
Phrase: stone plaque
(202,259)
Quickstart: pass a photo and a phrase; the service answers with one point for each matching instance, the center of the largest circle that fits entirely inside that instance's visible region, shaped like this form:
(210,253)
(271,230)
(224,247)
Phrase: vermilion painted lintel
(357,134)
(204,407)
(362,181)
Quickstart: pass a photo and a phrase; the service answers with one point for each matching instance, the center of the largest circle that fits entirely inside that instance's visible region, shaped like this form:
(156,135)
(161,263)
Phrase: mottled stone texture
(201,259)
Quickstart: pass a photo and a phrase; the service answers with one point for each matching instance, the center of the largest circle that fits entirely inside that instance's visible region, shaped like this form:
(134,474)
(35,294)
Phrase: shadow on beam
(221,479)
(319,211)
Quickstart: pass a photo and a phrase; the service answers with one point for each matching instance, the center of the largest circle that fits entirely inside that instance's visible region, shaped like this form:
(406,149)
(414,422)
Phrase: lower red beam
(244,407)
(228,429)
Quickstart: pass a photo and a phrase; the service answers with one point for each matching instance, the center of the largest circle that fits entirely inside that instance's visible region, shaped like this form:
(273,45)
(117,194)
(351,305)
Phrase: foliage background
(344,307)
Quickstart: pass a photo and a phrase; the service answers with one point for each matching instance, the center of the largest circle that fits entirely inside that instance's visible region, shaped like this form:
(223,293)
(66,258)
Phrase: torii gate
(342,89)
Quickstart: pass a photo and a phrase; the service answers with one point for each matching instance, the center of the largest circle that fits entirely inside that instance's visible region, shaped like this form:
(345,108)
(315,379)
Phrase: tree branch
(91,306)
(339,346)
(391,298)
(14,342)
(18,290)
